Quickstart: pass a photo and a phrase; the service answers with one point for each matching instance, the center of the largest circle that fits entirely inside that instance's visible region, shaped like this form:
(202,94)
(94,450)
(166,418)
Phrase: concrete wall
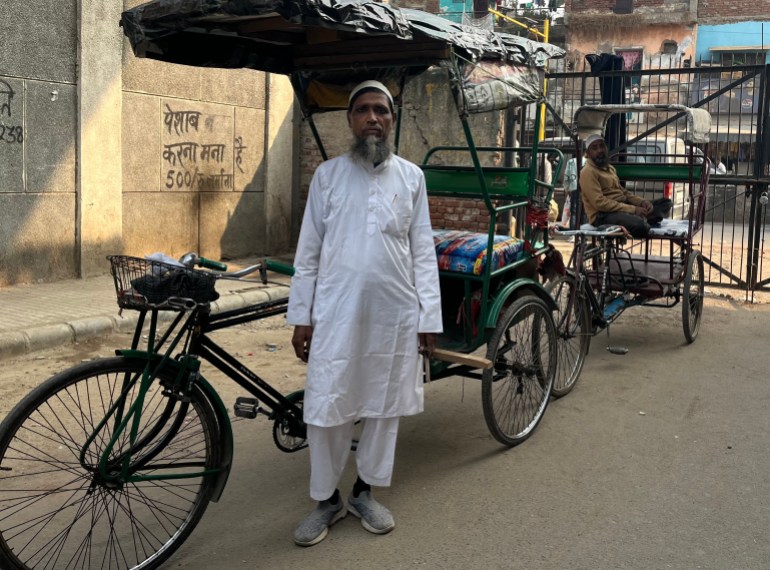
(600,26)
(748,34)
(199,148)
(104,153)
(38,138)
(649,39)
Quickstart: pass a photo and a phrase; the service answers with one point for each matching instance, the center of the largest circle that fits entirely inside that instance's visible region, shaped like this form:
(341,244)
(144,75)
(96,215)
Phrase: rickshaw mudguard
(523,284)
(225,441)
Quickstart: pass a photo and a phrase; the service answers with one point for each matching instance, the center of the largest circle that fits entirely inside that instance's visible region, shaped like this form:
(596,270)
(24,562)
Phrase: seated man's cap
(369,86)
(592,139)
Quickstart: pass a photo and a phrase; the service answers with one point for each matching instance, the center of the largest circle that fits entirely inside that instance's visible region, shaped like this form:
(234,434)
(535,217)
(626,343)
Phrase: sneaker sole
(366,525)
(338,517)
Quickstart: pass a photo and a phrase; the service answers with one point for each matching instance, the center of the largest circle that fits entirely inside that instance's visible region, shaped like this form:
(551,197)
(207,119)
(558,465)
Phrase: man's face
(598,152)
(371,116)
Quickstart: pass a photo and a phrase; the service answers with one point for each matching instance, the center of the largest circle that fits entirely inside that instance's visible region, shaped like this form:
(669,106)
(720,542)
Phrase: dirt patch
(263,346)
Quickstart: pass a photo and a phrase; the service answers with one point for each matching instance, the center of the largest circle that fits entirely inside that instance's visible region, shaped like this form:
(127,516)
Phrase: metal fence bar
(739,101)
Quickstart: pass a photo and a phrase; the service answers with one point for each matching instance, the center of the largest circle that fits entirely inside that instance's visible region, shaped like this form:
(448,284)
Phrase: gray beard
(371,150)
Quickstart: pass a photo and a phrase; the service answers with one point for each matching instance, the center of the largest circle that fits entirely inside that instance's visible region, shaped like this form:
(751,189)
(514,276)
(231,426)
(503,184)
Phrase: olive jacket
(601,191)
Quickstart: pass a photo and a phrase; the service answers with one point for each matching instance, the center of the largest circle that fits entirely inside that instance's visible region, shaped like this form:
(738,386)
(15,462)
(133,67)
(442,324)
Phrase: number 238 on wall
(11,134)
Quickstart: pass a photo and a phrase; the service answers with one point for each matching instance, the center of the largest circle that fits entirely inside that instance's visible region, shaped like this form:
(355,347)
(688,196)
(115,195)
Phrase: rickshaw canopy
(694,124)
(327,46)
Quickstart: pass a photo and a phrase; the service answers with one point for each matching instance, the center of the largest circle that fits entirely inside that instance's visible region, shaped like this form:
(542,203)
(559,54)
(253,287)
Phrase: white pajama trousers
(330,448)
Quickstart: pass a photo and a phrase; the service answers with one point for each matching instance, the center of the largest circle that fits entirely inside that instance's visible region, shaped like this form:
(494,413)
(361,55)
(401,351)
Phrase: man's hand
(427,343)
(640,211)
(647,207)
(300,340)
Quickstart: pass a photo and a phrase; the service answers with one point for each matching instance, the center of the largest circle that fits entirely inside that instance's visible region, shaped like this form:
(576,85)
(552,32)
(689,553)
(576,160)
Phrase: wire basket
(147,284)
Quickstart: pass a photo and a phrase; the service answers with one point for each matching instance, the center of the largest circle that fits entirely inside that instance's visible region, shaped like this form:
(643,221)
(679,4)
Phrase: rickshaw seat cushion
(466,252)
(670,228)
(666,228)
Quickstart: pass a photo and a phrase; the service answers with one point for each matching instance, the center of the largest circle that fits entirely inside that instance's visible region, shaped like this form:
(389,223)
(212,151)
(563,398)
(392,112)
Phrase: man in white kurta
(365,292)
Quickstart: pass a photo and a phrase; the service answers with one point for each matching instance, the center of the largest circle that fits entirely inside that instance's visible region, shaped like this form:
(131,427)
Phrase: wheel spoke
(572,334)
(516,389)
(692,300)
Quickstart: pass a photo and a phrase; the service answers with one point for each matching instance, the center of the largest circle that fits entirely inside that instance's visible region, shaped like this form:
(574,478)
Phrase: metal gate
(738,98)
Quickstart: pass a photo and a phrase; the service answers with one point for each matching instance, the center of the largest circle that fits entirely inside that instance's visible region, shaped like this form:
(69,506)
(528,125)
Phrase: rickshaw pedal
(246,407)
(617,349)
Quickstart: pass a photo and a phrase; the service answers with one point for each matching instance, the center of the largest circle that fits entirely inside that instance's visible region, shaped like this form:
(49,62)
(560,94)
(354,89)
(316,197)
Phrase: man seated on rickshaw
(606,202)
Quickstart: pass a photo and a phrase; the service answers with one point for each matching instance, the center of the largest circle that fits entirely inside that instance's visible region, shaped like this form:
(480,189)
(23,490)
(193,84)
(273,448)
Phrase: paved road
(658,459)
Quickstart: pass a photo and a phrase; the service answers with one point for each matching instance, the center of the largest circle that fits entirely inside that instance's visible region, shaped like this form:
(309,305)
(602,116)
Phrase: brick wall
(729,11)
(309,159)
(574,6)
(726,10)
(459,214)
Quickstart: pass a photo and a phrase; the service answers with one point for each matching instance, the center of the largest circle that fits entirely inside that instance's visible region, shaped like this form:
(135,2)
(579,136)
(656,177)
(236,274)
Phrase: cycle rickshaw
(122,455)
(607,271)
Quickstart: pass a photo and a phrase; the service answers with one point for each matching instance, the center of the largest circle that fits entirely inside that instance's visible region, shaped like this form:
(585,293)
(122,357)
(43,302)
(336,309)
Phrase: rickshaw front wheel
(692,296)
(516,390)
(573,332)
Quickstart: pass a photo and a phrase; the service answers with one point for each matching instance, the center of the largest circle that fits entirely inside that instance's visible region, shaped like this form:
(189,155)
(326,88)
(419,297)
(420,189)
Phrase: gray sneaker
(374,517)
(316,525)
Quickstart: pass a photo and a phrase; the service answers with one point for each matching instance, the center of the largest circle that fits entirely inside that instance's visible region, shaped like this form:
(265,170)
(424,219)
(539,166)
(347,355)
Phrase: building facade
(662,31)
(104,153)
(666,33)
(731,43)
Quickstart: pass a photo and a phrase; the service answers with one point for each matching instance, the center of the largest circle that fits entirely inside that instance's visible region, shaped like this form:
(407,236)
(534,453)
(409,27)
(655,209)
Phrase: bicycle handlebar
(279,267)
(241,272)
(211,264)
(190,259)
(263,268)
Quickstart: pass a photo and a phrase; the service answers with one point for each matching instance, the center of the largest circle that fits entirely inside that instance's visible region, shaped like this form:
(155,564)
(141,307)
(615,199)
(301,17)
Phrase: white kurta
(366,279)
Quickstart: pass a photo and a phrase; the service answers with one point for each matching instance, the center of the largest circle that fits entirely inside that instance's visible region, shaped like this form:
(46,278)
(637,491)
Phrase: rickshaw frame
(604,277)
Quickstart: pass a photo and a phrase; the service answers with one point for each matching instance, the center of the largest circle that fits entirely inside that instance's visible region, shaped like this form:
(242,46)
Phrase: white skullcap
(371,84)
(592,139)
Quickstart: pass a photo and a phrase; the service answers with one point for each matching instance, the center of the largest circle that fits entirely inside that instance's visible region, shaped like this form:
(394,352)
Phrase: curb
(19,343)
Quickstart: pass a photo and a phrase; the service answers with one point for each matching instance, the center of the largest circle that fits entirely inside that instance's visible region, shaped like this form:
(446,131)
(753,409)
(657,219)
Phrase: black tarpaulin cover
(337,43)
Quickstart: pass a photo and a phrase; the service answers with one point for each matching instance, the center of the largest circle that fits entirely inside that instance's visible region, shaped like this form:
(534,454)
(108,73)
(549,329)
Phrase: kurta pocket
(396,216)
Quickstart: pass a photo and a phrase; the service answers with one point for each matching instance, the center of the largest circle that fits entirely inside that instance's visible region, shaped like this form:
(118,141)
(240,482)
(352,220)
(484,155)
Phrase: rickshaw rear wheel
(573,333)
(692,296)
(516,390)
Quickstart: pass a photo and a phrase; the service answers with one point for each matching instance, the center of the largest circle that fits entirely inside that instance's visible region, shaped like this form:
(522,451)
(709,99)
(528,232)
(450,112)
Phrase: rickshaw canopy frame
(696,123)
(328,46)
